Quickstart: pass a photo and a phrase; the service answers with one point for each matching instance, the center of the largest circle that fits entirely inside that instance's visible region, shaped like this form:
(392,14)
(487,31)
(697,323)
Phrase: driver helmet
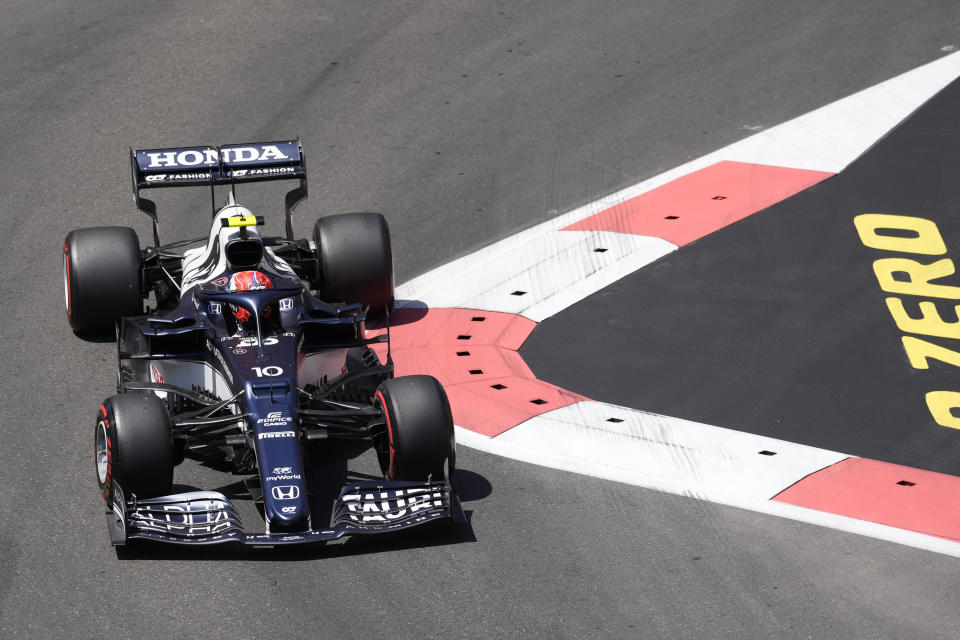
(248,281)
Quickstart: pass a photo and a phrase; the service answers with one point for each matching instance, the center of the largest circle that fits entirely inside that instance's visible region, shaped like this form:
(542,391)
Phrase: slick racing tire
(419,441)
(132,445)
(101,277)
(355,259)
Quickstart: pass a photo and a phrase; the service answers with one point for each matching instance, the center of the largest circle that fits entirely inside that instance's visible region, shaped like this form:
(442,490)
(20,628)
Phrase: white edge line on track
(656,451)
(770,507)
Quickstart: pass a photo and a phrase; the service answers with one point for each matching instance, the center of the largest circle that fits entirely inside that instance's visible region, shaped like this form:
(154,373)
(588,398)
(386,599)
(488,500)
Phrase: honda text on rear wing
(225,165)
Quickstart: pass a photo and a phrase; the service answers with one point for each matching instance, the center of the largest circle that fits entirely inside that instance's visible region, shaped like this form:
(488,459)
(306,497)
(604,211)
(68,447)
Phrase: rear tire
(132,445)
(101,277)
(355,259)
(420,438)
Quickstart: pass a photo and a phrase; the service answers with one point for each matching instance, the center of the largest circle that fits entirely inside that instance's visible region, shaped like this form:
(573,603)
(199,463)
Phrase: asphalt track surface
(463,122)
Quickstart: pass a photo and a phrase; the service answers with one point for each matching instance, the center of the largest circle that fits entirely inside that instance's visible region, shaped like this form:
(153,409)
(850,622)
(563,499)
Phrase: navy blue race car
(254,350)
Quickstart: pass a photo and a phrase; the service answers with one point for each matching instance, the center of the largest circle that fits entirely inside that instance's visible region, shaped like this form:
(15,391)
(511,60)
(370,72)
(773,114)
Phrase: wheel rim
(66,282)
(380,402)
(100,452)
(449,464)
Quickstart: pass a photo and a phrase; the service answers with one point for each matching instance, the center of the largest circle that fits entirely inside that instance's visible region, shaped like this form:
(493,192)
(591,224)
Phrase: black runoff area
(776,325)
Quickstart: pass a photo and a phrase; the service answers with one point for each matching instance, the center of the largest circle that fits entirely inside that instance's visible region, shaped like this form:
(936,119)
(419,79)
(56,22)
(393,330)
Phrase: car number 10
(268,372)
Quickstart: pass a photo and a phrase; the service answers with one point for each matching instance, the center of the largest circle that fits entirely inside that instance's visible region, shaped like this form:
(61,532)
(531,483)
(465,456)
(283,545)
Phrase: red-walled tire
(420,439)
(101,277)
(132,445)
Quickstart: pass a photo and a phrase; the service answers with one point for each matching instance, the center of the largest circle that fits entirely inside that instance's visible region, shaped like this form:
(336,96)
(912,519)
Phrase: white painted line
(660,452)
(552,270)
(835,135)
(666,454)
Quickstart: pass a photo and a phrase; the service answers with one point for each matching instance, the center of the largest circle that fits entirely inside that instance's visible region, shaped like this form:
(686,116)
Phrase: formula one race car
(256,350)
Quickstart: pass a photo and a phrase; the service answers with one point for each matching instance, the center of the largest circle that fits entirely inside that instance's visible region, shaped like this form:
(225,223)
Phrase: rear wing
(211,166)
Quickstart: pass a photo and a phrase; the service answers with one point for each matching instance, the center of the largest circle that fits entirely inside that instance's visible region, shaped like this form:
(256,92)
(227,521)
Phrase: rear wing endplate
(211,166)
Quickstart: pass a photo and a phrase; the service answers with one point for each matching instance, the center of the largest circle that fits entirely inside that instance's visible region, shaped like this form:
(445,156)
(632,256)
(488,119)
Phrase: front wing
(208,517)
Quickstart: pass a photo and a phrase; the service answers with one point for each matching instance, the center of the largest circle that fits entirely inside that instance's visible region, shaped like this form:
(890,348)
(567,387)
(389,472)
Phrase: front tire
(419,442)
(132,445)
(355,259)
(101,277)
